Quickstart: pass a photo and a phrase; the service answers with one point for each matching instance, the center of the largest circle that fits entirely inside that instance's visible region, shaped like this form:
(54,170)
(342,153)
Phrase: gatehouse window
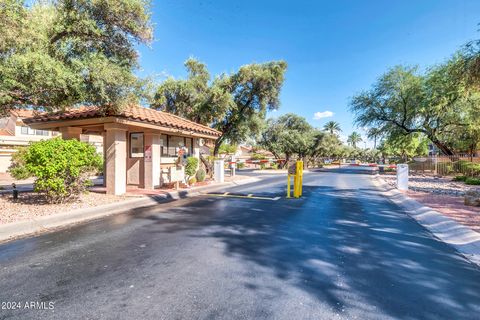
(136,145)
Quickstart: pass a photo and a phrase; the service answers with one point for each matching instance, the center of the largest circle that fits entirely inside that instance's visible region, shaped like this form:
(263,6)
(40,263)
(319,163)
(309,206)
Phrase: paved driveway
(342,251)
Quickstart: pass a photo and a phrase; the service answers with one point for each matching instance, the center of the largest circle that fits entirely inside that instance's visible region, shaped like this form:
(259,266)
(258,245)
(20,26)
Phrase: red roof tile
(24,113)
(138,113)
(5,132)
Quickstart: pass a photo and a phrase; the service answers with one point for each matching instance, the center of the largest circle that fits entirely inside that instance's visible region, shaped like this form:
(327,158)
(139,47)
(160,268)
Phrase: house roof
(5,132)
(24,113)
(131,112)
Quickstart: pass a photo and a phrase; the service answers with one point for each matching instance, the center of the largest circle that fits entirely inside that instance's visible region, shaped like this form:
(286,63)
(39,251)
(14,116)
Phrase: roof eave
(37,123)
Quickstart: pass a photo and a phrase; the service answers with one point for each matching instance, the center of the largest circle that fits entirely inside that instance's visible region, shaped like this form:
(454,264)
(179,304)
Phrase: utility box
(402,176)
(219,170)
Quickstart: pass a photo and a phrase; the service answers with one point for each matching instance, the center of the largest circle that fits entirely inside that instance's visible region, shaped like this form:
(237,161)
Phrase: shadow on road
(348,248)
(338,249)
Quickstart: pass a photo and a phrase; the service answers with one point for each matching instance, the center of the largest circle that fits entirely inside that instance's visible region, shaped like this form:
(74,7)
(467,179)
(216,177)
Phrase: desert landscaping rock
(472,198)
(434,185)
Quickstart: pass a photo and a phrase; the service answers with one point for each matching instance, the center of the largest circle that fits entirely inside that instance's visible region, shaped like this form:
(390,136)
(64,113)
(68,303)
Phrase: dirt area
(31,205)
(442,195)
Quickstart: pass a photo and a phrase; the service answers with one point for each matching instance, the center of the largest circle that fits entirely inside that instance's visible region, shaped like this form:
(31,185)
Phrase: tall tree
(194,98)
(332,127)
(65,52)
(235,104)
(374,133)
(288,135)
(325,145)
(354,138)
(406,101)
(405,147)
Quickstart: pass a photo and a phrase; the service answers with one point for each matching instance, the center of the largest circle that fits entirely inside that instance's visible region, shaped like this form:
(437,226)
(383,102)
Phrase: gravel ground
(31,205)
(434,185)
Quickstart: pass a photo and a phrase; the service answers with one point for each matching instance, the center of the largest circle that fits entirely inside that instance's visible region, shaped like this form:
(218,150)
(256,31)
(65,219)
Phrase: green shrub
(257,156)
(240,165)
(262,166)
(473,181)
(460,166)
(200,175)
(274,166)
(445,169)
(475,169)
(192,180)
(61,167)
(460,178)
(191,166)
(469,168)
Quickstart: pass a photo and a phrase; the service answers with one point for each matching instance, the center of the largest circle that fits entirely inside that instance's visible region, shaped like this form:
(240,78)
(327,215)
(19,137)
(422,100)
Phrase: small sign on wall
(148,153)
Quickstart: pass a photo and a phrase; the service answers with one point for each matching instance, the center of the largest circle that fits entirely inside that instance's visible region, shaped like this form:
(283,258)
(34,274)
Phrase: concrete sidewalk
(462,238)
(12,231)
(27,185)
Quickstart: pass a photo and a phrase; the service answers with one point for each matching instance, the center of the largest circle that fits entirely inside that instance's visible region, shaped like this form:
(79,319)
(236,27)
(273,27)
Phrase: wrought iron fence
(446,165)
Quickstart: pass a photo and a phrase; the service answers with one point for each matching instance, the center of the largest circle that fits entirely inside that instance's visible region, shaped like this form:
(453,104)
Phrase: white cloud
(324,114)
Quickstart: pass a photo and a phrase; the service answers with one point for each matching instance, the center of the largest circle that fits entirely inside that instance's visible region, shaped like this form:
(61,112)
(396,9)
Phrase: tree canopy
(332,127)
(288,135)
(65,52)
(354,138)
(235,104)
(291,135)
(404,146)
(439,103)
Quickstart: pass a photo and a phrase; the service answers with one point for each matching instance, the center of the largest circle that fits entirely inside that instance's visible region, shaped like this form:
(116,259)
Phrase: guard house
(140,145)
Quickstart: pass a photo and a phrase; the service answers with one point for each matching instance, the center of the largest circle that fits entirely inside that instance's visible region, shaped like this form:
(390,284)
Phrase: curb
(20,229)
(460,237)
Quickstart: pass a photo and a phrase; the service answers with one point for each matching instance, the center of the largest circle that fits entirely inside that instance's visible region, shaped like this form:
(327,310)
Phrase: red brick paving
(450,206)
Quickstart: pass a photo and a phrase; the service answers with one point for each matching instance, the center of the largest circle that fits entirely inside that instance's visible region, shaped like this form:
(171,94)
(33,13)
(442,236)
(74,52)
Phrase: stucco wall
(4,162)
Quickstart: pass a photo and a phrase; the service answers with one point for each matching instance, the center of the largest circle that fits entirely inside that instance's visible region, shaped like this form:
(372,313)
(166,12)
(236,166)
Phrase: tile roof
(5,132)
(24,113)
(137,113)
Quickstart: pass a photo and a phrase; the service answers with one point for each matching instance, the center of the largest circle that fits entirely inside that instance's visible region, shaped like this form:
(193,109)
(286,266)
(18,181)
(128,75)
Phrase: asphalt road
(341,252)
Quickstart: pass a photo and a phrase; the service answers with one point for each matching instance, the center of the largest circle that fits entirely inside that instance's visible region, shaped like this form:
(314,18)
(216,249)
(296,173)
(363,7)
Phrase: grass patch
(472,181)
(460,178)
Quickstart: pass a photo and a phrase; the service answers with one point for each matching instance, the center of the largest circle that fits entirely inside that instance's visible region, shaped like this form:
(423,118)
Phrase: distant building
(14,133)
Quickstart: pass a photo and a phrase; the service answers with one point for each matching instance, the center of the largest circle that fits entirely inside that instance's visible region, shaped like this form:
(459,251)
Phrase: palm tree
(354,138)
(374,133)
(332,127)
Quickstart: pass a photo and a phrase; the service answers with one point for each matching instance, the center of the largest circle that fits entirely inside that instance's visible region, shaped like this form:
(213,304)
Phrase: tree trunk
(218,143)
(207,165)
(442,147)
(287,159)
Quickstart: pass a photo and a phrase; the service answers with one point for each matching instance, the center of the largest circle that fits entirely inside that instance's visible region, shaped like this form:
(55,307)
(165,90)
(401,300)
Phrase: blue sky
(333,48)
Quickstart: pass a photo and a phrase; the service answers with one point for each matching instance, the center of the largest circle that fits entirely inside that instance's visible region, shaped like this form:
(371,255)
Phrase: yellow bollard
(297,180)
(295,185)
(288,186)
(297,191)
